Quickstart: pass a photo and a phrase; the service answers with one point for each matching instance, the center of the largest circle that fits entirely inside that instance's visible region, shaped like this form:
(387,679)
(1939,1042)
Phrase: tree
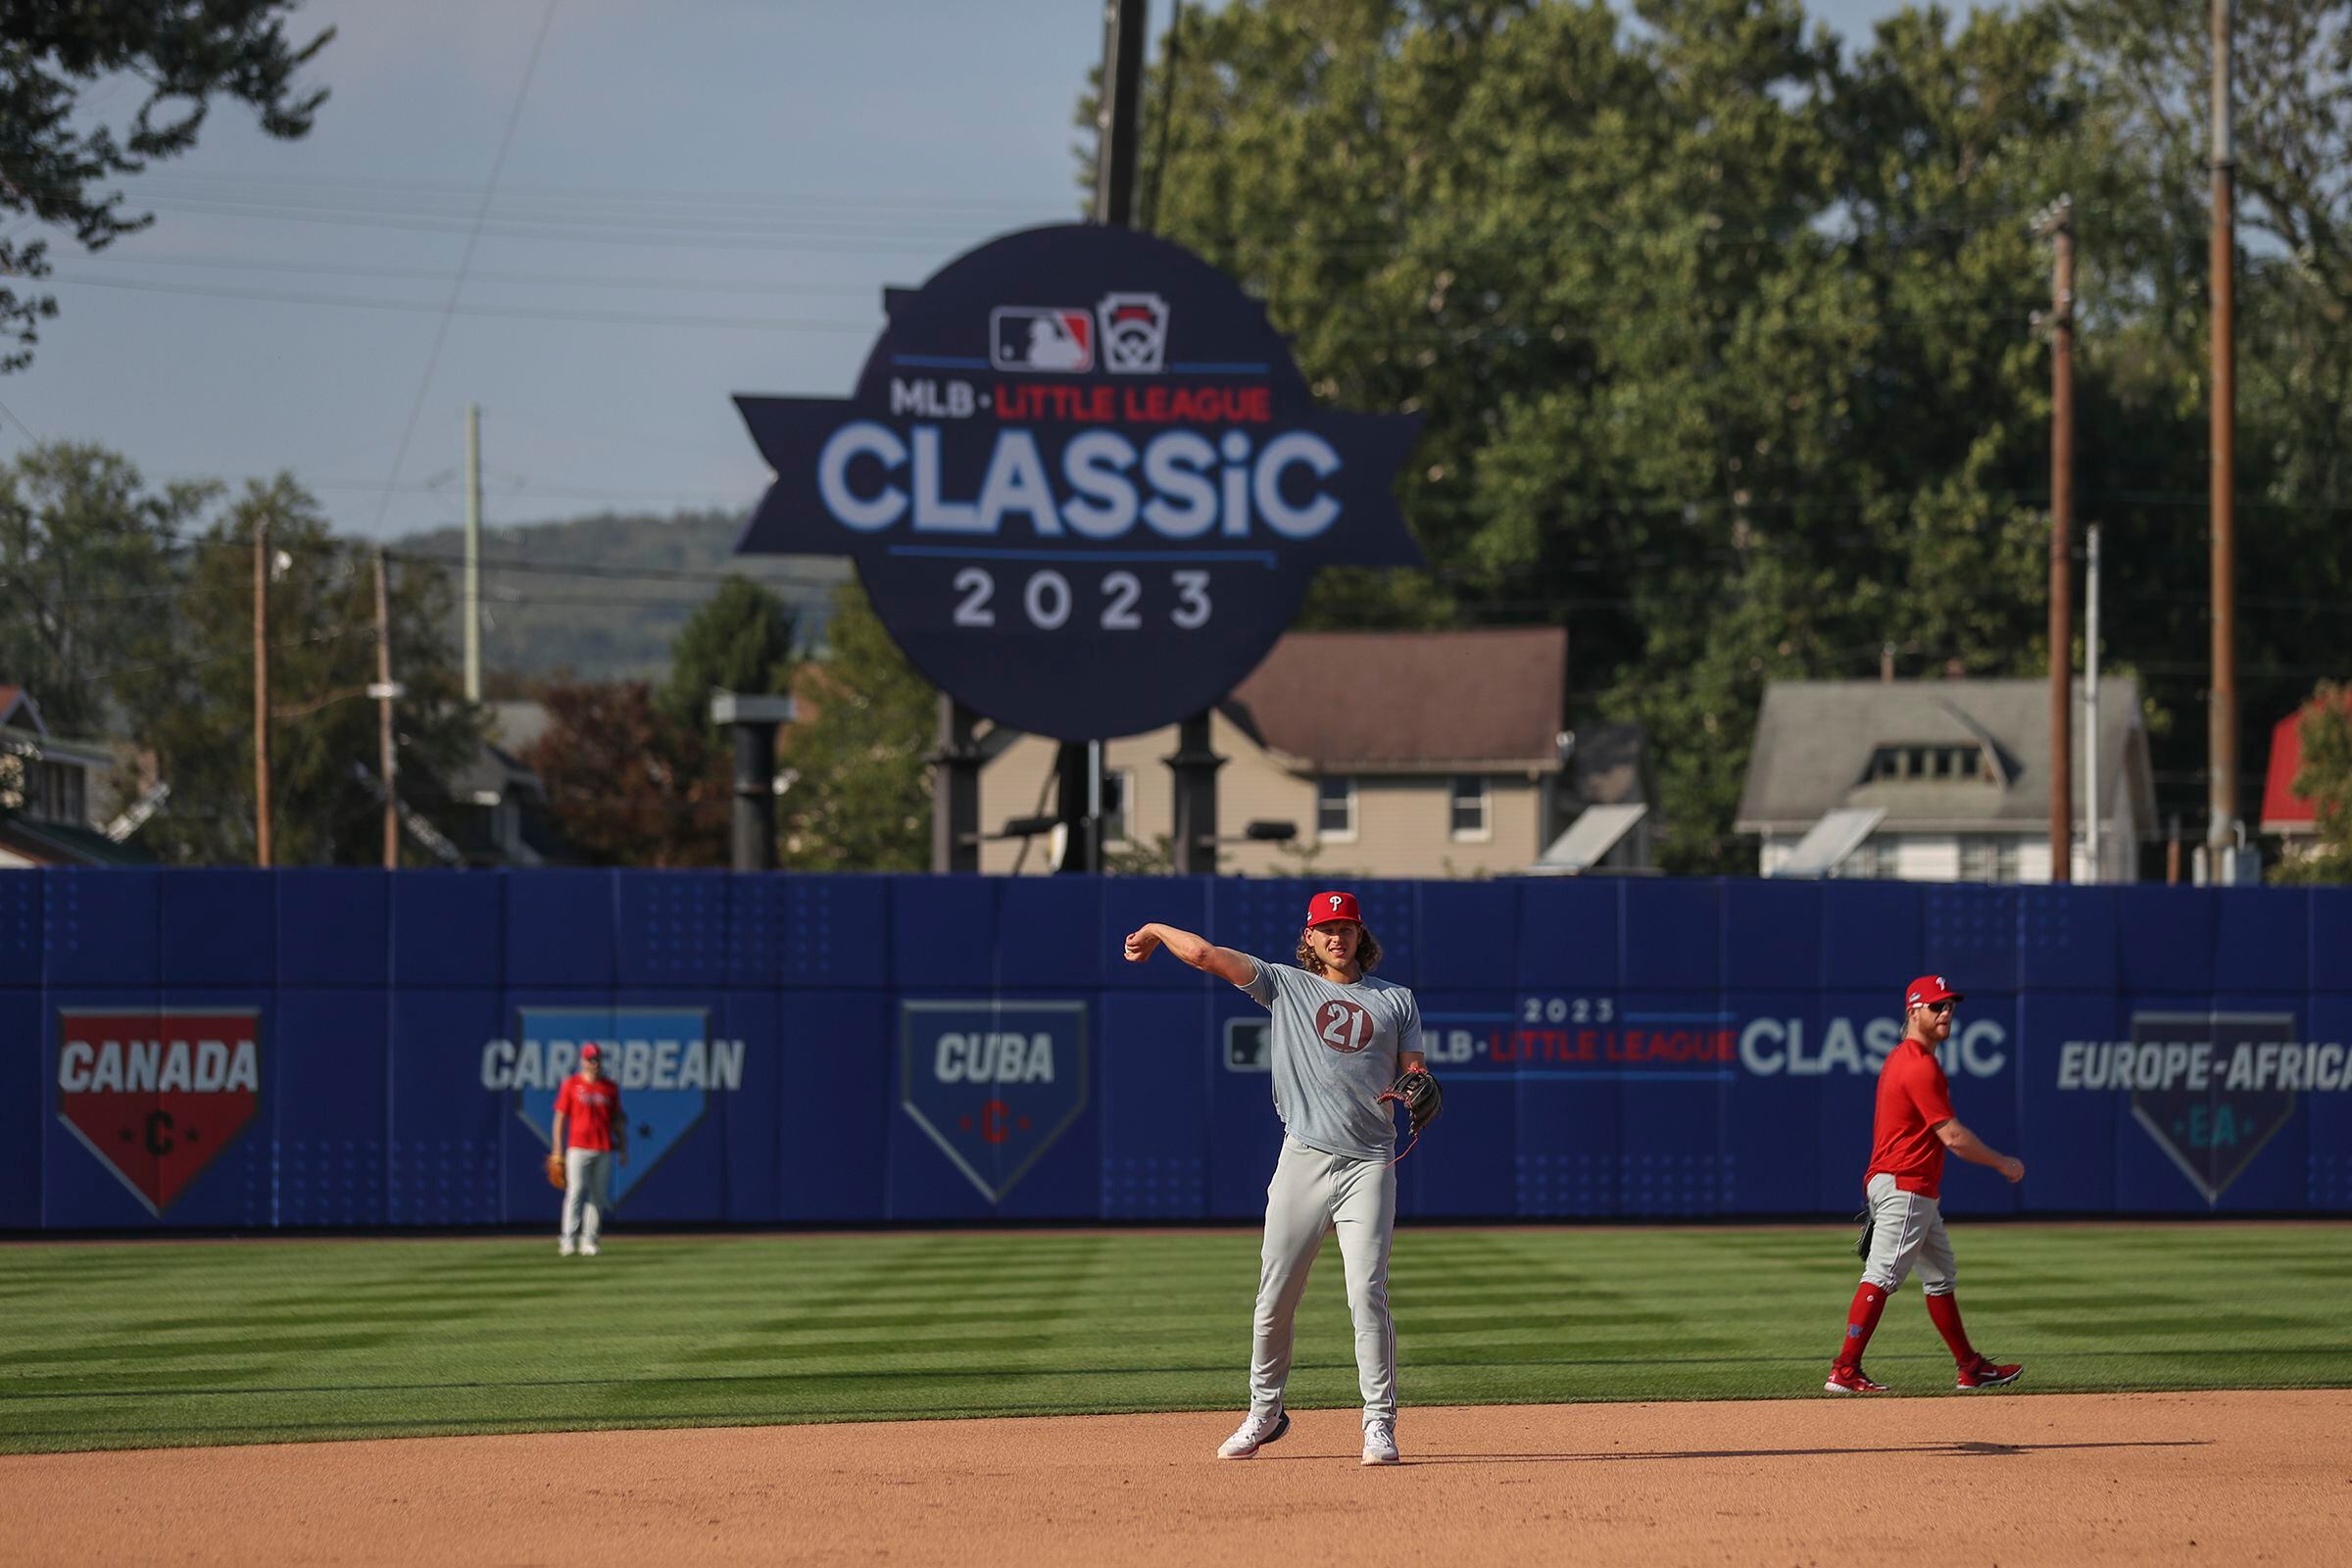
(859,796)
(739,641)
(85,563)
(186,691)
(2324,780)
(54,157)
(1724,337)
(627,784)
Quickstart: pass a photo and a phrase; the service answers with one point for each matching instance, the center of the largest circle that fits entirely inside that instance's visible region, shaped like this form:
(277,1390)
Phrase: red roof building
(2284,812)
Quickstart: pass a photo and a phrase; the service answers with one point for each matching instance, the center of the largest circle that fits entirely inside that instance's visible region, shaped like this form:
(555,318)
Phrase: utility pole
(473,552)
(2057,222)
(2093,803)
(383,691)
(261,690)
(2222,712)
(1078,764)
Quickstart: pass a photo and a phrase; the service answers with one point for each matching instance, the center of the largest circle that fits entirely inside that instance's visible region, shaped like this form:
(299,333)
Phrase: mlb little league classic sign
(1083,482)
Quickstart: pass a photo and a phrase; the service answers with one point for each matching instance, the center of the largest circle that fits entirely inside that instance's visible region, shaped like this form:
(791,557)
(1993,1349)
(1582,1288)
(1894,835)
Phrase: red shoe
(1852,1380)
(1985,1375)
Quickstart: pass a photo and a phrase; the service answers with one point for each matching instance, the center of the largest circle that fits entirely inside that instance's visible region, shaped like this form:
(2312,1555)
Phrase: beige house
(1390,753)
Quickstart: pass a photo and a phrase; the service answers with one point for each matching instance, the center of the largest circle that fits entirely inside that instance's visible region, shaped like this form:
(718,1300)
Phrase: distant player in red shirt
(1913,1127)
(593,1132)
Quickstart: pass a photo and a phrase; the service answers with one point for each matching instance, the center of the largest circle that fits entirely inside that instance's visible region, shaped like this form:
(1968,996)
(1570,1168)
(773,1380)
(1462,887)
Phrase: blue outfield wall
(326,1048)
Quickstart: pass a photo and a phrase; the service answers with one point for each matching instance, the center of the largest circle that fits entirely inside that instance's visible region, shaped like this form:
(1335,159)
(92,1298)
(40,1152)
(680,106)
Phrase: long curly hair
(1367,953)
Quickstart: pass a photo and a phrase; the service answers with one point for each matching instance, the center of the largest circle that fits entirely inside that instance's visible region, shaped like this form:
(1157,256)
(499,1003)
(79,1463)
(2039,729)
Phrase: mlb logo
(1023,337)
(1135,333)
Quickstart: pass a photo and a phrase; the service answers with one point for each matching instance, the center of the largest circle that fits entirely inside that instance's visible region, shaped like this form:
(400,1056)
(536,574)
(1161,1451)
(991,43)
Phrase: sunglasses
(1939,1007)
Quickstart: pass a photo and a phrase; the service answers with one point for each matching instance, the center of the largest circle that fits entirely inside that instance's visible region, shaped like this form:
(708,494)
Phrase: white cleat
(1254,1434)
(587,1249)
(564,1249)
(1380,1441)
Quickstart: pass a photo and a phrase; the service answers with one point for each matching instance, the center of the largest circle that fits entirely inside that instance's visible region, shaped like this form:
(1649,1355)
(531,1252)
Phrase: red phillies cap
(1325,908)
(1929,988)
(592,1051)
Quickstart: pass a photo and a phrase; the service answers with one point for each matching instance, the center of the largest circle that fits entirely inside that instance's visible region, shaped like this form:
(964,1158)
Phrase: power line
(434,275)
(432,360)
(447,310)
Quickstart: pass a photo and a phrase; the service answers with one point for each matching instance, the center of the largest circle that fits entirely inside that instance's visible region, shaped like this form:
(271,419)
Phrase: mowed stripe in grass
(157,1344)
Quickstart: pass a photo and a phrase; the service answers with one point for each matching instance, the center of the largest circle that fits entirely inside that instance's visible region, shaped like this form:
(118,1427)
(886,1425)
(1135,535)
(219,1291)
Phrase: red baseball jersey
(1913,1097)
(588,1107)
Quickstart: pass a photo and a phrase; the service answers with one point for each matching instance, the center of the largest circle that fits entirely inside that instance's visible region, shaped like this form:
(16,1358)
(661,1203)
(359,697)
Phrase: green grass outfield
(157,1344)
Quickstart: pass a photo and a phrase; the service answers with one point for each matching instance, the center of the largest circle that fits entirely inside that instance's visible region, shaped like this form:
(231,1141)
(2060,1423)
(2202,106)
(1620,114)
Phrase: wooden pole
(2058,225)
(2222,712)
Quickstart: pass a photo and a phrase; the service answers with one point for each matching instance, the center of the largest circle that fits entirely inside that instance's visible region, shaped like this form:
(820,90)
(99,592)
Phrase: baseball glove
(555,1170)
(1417,1090)
(1865,1222)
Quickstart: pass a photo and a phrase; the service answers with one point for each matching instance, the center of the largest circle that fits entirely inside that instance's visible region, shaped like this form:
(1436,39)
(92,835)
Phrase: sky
(597,219)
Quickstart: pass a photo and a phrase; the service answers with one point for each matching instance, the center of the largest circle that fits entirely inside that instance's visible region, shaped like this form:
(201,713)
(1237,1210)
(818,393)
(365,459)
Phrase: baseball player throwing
(1342,1041)
(1912,1128)
(592,1132)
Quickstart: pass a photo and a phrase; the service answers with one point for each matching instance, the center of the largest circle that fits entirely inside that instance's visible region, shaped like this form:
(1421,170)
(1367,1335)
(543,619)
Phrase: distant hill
(603,595)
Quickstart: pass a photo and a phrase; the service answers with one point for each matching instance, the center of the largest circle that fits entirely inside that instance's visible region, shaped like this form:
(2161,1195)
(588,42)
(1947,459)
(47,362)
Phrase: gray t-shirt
(1335,1049)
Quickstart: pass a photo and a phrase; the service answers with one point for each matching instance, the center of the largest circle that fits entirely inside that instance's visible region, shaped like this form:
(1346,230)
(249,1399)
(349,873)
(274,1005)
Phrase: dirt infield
(2222,1478)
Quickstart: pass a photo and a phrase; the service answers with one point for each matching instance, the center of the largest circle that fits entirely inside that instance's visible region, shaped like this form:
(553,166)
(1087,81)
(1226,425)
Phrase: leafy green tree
(739,641)
(2324,780)
(1725,341)
(85,563)
(55,156)
(627,783)
(859,797)
(186,691)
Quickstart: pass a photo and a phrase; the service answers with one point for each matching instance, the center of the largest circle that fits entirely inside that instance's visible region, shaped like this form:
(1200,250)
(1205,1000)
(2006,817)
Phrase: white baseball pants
(587,1176)
(1908,1234)
(1313,1191)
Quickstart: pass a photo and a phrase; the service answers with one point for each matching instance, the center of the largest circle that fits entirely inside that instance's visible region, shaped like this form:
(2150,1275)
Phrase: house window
(1872,860)
(1467,810)
(1989,858)
(1119,789)
(1335,808)
(56,793)
(1936,763)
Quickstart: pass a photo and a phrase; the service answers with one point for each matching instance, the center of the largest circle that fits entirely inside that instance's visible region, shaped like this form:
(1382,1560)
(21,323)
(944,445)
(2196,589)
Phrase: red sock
(1946,1313)
(1861,1321)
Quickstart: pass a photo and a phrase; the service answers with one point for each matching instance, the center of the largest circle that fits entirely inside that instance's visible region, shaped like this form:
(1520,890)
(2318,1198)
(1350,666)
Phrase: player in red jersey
(1913,1126)
(592,1132)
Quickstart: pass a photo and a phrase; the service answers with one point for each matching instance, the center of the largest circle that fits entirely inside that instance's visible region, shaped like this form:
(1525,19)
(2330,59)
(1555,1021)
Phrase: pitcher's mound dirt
(2219,1477)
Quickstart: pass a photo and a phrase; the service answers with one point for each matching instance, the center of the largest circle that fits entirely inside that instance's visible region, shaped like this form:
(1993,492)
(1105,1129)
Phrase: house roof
(1814,742)
(16,703)
(2283,809)
(1350,698)
(64,844)
(490,774)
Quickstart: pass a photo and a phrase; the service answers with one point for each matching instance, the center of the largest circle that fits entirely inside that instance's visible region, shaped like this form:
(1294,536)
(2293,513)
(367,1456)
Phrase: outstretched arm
(1198,950)
(1969,1147)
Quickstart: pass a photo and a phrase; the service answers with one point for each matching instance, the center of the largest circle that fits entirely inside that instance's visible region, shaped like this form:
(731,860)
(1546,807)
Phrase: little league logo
(993,1083)
(157,1094)
(1135,333)
(662,1059)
